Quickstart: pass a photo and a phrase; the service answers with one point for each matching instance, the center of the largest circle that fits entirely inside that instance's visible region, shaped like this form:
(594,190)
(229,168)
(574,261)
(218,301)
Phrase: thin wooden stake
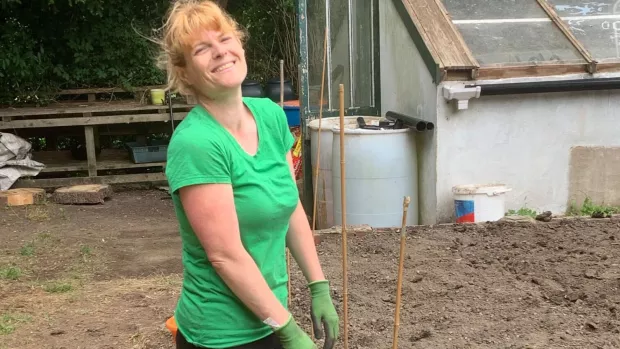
(343,200)
(318,147)
(282,83)
(288,271)
(288,252)
(403,238)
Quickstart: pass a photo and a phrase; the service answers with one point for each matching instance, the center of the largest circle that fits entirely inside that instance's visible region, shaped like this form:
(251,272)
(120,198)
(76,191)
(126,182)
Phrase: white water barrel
(380,170)
(324,192)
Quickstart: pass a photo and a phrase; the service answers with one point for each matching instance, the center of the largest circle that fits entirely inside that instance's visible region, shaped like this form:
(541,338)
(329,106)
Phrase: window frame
(332,107)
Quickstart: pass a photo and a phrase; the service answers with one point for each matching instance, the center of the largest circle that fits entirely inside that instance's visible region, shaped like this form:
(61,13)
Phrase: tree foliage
(56,44)
(46,45)
(272,29)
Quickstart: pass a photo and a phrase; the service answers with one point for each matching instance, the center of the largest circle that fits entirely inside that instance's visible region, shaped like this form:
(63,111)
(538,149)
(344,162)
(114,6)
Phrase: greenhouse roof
(493,39)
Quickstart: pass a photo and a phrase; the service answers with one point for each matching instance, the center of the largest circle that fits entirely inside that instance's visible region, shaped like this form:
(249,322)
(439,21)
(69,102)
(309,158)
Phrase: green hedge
(47,45)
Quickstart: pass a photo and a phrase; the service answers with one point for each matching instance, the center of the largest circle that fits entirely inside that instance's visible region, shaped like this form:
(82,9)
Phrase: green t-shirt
(265,194)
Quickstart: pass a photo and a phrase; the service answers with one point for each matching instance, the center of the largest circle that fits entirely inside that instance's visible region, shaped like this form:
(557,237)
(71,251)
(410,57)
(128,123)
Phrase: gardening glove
(324,313)
(291,336)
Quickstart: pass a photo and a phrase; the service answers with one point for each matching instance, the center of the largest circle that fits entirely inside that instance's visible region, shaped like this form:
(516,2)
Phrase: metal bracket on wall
(462,94)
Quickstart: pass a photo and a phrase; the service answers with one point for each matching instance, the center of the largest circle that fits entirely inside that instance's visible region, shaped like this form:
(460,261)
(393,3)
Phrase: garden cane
(403,238)
(318,149)
(343,200)
(170,111)
(288,252)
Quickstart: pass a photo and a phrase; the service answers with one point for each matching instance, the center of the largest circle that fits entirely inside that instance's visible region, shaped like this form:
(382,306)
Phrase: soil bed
(499,285)
(108,276)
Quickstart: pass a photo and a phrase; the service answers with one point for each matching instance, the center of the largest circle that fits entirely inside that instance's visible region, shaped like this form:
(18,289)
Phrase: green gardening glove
(323,312)
(291,336)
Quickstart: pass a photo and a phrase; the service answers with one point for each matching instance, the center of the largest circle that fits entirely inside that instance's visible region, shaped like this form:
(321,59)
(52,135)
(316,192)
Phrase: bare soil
(499,285)
(108,276)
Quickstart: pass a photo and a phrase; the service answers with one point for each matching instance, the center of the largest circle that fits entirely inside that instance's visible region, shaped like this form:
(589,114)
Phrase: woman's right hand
(293,337)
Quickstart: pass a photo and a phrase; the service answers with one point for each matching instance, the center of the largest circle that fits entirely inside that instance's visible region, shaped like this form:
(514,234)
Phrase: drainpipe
(547,86)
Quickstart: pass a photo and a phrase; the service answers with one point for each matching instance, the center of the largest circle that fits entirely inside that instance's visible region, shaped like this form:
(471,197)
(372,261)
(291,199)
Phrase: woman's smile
(224,67)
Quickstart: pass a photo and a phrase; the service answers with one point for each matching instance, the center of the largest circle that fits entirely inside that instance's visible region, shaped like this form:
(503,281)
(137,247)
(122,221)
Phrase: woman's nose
(218,50)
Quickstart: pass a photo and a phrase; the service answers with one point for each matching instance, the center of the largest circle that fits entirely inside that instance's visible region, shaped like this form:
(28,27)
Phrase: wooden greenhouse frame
(448,57)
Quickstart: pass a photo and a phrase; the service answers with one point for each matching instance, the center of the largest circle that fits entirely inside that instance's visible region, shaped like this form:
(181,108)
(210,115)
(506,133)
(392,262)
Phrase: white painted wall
(523,141)
(407,87)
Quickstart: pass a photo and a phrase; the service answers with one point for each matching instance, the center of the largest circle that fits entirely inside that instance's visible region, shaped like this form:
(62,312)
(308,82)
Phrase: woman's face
(215,63)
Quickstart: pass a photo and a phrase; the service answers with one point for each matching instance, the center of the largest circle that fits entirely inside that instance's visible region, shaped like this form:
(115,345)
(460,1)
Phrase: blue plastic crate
(141,153)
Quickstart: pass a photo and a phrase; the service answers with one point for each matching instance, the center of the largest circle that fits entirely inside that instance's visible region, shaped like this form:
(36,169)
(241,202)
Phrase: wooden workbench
(89,116)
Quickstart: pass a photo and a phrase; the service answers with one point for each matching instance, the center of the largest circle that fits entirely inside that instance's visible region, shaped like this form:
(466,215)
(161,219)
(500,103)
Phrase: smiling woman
(230,173)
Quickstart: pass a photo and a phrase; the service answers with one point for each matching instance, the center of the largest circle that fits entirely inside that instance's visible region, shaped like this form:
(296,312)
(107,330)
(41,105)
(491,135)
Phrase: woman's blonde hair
(184,19)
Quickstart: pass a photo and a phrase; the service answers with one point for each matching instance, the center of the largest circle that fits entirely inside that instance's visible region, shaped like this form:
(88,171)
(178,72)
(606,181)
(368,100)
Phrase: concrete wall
(526,141)
(407,87)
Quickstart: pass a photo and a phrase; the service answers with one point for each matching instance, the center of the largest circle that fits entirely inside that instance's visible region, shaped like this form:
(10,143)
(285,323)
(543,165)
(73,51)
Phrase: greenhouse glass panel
(339,51)
(510,32)
(596,24)
(362,53)
(316,35)
(350,53)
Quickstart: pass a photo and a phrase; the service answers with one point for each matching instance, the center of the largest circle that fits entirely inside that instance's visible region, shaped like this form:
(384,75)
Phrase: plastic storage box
(141,153)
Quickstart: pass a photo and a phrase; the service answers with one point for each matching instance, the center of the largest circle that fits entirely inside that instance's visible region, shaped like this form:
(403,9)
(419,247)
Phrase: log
(82,194)
(22,196)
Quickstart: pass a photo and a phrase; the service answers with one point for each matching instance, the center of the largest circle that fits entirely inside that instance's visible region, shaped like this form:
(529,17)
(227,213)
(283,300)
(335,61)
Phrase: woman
(231,176)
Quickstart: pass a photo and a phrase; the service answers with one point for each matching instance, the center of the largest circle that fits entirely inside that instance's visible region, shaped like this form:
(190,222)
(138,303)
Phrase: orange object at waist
(171,325)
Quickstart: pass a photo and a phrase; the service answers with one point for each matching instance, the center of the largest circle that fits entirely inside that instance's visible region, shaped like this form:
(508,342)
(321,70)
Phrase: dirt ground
(108,276)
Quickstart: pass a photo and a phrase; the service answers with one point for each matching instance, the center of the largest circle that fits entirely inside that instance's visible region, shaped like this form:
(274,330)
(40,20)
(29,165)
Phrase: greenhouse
(520,93)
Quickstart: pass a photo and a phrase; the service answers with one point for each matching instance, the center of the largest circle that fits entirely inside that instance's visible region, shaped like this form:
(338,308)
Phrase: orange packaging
(296,131)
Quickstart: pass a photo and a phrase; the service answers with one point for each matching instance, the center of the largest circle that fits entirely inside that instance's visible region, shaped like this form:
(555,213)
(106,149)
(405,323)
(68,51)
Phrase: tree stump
(22,196)
(82,194)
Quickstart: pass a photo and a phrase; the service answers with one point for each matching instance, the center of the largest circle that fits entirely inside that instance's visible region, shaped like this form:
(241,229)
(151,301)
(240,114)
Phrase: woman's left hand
(324,313)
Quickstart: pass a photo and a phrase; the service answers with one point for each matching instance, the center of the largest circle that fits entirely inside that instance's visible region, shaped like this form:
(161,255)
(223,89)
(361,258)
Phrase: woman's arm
(300,240)
(211,212)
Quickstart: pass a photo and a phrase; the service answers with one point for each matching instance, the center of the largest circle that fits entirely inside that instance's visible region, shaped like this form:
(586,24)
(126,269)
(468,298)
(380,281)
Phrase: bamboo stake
(403,237)
(318,147)
(288,252)
(343,201)
(282,83)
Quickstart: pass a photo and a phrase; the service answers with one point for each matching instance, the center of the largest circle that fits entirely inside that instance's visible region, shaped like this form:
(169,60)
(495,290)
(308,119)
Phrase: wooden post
(90,151)
(89,140)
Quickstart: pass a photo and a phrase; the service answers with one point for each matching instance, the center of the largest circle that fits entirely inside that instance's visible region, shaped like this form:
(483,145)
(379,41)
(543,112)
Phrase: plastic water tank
(380,169)
(324,192)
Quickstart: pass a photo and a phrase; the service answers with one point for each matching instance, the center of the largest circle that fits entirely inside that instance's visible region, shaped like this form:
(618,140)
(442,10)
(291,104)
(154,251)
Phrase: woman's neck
(229,110)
